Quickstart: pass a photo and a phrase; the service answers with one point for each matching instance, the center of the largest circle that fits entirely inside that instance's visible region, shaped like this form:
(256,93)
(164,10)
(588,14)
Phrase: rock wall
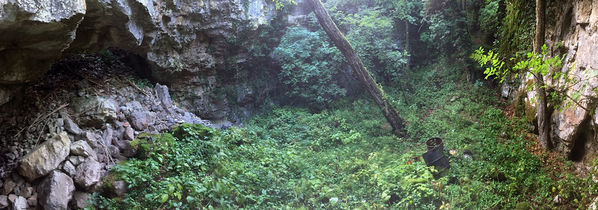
(82,141)
(184,41)
(575,35)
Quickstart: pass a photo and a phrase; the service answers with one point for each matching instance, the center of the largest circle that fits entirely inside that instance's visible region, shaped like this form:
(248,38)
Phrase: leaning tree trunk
(542,105)
(355,62)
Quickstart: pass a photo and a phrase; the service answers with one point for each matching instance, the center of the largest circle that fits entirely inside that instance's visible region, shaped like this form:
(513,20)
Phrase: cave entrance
(28,116)
(103,64)
(584,135)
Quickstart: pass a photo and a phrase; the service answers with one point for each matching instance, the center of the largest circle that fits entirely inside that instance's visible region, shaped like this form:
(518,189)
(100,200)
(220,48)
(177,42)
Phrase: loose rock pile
(81,135)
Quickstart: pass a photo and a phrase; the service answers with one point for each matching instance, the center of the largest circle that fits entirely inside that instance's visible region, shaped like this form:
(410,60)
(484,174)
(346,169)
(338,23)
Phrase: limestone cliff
(183,41)
(575,35)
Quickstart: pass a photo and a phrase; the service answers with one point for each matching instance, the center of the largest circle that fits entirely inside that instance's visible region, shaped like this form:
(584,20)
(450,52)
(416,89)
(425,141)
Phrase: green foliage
(492,62)
(310,65)
(538,65)
(518,27)
(489,20)
(345,157)
(447,32)
(371,35)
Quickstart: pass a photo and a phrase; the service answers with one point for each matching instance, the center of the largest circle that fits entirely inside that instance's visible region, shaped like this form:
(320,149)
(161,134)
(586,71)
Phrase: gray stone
(124,146)
(32,201)
(95,111)
(83,149)
(164,97)
(45,158)
(12,198)
(120,188)
(3,201)
(129,133)
(91,139)
(108,135)
(56,191)
(140,120)
(26,192)
(5,95)
(80,200)
(76,160)
(9,185)
(69,168)
(20,203)
(115,152)
(88,173)
(70,125)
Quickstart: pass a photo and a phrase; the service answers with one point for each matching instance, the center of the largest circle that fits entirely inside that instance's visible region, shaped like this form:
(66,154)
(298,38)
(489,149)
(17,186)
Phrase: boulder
(124,146)
(83,149)
(55,191)
(20,203)
(45,157)
(9,185)
(164,97)
(69,168)
(120,188)
(70,125)
(32,201)
(91,139)
(88,173)
(76,160)
(95,111)
(129,133)
(140,120)
(3,201)
(80,200)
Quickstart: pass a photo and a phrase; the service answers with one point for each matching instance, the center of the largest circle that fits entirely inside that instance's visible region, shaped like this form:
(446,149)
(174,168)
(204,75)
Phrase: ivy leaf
(163,198)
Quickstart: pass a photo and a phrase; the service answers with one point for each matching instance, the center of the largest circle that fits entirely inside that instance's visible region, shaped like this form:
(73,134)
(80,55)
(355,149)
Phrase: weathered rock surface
(20,203)
(83,149)
(120,188)
(3,201)
(577,30)
(33,34)
(56,191)
(8,187)
(88,173)
(95,111)
(140,120)
(80,200)
(184,41)
(70,125)
(46,157)
(69,168)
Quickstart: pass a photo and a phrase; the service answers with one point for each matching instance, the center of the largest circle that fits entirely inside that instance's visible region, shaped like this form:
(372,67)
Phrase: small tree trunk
(542,104)
(407,42)
(362,73)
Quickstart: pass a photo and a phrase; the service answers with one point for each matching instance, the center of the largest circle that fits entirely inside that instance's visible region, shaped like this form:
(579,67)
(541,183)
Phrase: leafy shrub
(310,65)
(371,35)
(489,20)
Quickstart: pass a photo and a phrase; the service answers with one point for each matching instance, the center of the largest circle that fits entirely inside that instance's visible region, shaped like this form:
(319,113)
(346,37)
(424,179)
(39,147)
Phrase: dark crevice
(583,135)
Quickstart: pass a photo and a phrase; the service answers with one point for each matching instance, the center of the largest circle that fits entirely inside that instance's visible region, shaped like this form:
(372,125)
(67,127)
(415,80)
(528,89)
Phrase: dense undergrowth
(345,157)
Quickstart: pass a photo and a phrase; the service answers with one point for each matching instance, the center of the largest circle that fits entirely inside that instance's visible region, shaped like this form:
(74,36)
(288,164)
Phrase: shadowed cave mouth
(95,68)
(585,133)
(72,76)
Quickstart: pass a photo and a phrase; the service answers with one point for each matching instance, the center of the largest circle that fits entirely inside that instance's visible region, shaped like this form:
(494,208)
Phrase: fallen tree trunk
(362,73)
